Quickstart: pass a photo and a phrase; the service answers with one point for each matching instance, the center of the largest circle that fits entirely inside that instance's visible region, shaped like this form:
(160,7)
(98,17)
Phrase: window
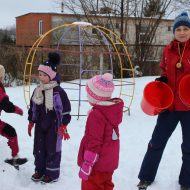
(143,29)
(117,25)
(143,33)
(169,28)
(40,27)
(143,38)
(107,26)
(94,31)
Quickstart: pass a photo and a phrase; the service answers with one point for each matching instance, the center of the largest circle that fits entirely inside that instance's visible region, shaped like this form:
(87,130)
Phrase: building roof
(47,13)
(100,15)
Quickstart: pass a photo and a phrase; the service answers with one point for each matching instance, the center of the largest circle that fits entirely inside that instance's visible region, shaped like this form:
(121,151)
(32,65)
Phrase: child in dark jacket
(98,155)
(50,113)
(7,130)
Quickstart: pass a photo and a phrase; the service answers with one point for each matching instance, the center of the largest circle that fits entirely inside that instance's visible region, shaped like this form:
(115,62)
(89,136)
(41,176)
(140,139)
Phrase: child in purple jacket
(98,155)
(50,113)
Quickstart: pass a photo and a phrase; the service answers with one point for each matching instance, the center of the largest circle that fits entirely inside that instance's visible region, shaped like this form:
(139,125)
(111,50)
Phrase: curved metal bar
(107,36)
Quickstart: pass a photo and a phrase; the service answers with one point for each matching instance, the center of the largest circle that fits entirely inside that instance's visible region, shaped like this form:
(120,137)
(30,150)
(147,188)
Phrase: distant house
(30,26)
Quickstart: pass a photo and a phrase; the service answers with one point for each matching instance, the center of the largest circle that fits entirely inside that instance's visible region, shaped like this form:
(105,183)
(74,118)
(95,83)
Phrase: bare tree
(146,29)
(121,11)
(8,35)
(93,10)
(152,8)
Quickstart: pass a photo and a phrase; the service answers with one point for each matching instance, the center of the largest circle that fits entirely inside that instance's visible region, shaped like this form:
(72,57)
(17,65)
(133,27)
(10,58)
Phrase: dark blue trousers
(166,124)
(47,152)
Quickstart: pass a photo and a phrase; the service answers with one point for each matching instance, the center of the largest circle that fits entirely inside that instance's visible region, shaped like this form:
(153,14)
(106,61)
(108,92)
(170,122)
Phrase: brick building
(30,26)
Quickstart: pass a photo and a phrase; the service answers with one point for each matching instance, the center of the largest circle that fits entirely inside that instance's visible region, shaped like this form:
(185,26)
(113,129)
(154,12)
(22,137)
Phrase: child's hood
(112,110)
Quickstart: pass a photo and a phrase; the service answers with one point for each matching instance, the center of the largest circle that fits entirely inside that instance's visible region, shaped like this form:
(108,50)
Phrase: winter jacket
(59,115)
(5,104)
(168,66)
(101,125)
(5,129)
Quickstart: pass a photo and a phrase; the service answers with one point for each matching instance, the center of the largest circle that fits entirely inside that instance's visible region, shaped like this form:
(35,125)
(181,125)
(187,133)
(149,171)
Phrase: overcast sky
(9,9)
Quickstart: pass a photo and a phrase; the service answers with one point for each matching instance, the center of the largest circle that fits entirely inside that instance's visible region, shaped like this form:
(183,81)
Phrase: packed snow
(135,132)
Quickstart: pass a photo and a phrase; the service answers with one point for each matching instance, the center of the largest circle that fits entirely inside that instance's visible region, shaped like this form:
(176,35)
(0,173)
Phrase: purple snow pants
(47,151)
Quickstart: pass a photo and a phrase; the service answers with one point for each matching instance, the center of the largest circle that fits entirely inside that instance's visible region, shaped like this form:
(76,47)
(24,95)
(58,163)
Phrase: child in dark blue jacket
(50,112)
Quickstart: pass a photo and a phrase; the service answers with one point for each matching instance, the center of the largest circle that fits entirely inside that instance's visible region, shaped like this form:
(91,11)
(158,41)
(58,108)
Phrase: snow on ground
(135,132)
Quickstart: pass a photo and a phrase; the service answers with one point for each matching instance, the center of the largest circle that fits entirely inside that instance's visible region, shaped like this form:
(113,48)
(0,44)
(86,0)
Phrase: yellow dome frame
(108,34)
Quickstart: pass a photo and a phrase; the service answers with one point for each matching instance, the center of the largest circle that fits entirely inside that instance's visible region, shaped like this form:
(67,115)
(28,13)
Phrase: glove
(62,130)
(30,126)
(162,79)
(90,158)
(18,110)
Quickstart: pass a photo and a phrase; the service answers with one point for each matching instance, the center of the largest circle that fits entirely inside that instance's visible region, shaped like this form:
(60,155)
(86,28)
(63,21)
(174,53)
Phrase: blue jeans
(166,124)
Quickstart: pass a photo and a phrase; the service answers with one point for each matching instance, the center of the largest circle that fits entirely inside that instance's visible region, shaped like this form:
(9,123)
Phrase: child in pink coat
(98,155)
(6,130)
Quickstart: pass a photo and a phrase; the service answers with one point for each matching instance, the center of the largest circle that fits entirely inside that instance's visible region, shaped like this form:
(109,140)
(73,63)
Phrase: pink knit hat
(100,88)
(50,66)
(47,70)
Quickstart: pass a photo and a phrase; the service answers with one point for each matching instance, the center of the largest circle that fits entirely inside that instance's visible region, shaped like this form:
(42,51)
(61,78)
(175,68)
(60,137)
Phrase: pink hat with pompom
(100,88)
(50,66)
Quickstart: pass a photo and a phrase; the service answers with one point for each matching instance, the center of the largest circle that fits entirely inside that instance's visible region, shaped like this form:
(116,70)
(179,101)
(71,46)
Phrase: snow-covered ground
(135,132)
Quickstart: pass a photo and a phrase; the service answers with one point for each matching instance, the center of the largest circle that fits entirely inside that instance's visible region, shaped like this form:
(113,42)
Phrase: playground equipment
(88,50)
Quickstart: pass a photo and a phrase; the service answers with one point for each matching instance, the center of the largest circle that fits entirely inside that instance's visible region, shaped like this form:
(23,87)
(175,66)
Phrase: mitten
(90,158)
(18,110)
(30,126)
(62,130)
(162,79)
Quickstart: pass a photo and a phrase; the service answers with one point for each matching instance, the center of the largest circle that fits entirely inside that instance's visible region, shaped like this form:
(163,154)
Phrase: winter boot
(143,184)
(36,177)
(47,179)
(184,188)
(16,161)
